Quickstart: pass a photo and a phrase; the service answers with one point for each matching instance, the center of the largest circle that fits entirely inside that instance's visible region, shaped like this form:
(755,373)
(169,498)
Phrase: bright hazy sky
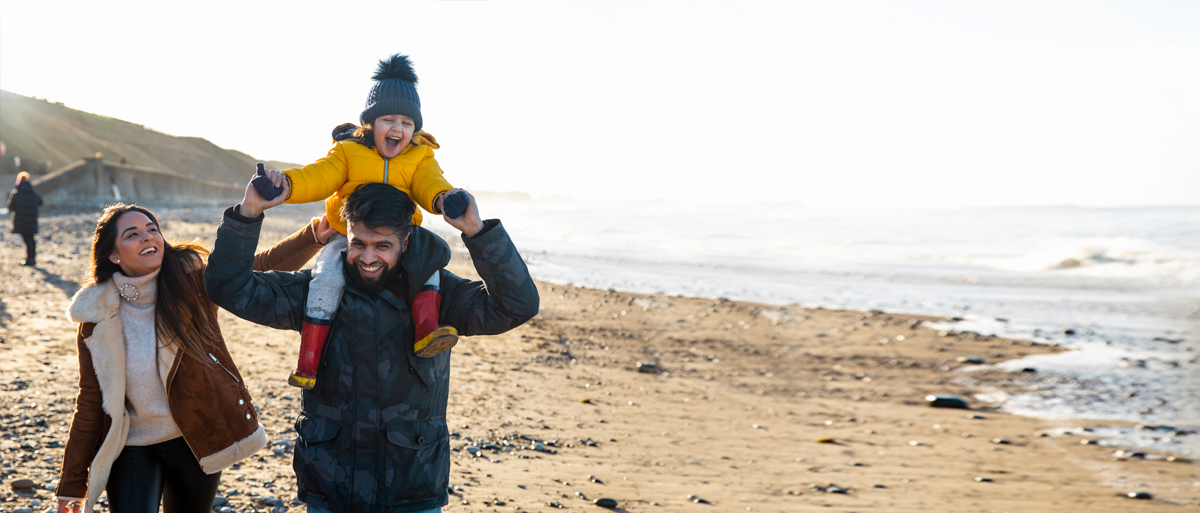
(856,103)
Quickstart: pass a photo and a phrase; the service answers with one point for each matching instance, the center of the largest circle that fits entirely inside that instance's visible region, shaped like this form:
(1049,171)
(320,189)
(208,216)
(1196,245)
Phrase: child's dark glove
(263,183)
(264,186)
(455,204)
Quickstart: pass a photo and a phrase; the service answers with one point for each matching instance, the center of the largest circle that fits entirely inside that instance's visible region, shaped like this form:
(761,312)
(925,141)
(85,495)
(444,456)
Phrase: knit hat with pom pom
(394,92)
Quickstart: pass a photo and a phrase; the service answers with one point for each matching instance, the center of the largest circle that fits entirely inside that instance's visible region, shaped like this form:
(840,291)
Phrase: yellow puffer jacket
(350,164)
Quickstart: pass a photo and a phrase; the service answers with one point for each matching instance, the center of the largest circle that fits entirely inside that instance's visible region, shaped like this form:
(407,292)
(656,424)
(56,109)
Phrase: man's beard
(372,286)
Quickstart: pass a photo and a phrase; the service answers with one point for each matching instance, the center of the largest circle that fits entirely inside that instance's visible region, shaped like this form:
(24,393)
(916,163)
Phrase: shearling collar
(94,303)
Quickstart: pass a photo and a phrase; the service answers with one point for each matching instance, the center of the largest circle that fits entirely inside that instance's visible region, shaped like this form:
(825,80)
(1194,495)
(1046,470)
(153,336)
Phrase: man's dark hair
(379,205)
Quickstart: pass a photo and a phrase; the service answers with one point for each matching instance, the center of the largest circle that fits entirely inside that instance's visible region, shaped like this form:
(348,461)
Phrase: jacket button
(412,370)
(420,440)
(247,416)
(241,402)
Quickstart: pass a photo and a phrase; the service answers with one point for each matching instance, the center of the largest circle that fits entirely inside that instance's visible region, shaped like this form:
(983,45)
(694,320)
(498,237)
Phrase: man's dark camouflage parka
(372,433)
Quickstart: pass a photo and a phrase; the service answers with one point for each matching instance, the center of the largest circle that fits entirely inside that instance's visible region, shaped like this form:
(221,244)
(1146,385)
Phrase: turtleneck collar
(141,290)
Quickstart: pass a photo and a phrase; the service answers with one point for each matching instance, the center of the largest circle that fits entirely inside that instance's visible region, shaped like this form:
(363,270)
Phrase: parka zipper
(210,355)
(385,170)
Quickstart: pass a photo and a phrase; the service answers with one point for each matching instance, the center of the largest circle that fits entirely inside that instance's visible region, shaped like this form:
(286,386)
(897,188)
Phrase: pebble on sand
(825,440)
(947,401)
(647,367)
(1139,495)
(22,484)
(605,502)
(982,479)
(1128,455)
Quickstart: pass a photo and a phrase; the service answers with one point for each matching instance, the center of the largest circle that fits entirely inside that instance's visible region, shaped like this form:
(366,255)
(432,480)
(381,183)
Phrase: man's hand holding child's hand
(469,222)
(253,205)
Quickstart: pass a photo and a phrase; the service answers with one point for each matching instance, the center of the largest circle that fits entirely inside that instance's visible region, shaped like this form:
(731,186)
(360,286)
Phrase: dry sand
(754,408)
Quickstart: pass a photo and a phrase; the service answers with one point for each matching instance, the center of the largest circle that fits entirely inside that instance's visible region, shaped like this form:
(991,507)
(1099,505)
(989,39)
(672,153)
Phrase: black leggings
(30,247)
(167,473)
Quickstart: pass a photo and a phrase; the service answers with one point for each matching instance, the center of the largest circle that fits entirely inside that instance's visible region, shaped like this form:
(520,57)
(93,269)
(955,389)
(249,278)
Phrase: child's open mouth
(392,142)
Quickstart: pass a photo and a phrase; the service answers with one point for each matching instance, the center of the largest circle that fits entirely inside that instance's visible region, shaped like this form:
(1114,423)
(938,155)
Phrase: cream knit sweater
(150,420)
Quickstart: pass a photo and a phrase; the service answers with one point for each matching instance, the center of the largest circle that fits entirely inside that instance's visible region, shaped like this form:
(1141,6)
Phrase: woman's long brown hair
(182,309)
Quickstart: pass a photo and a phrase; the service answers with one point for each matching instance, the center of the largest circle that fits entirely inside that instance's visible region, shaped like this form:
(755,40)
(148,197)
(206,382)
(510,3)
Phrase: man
(373,433)
(23,202)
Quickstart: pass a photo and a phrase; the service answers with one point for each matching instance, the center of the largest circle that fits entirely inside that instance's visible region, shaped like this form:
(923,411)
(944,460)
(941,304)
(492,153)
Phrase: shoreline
(740,417)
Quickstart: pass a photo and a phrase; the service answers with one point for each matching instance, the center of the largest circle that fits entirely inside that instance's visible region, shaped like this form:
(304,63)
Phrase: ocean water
(1119,287)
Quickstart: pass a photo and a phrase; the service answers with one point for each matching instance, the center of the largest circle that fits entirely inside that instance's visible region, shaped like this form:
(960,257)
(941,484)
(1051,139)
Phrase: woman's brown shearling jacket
(209,401)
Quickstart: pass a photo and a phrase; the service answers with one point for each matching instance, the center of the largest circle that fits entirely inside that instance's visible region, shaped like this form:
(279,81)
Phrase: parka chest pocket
(417,460)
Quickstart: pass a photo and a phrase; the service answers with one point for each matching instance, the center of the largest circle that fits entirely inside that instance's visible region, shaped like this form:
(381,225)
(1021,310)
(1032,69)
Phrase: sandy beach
(748,407)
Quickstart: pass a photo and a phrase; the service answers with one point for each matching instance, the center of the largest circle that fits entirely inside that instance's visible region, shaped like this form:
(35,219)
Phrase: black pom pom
(396,66)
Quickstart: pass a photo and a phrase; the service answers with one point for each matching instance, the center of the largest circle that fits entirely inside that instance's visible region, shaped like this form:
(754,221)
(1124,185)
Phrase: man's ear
(404,245)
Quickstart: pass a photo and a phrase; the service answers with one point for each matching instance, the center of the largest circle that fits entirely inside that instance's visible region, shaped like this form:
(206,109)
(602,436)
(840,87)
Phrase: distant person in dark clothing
(24,203)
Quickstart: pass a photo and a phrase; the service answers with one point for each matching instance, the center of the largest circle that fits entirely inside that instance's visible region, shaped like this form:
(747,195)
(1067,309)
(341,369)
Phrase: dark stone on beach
(647,367)
(220,501)
(879,486)
(975,360)
(982,479)
(698,500)
(1139,495)
(975,416)
(1000,441)
(1029,370)
(947,401)
(836,489)
(1068,332)
(1127,455)
(22,484)
(605,502)
(1159,427)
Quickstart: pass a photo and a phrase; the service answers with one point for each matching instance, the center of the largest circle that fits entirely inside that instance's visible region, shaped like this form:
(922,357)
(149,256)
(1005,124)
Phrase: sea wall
(93,178)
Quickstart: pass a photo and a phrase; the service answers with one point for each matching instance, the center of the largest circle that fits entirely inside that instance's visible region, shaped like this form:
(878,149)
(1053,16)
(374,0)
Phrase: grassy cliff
(37,130)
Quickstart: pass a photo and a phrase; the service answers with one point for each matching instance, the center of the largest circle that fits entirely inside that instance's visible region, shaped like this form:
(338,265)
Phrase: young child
(389,148)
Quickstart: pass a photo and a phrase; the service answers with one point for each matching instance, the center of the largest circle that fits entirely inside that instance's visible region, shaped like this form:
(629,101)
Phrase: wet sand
(752,407)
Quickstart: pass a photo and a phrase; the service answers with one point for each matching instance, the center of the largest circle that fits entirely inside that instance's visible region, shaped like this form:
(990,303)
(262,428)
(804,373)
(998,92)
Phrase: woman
(162,409)
(23,202)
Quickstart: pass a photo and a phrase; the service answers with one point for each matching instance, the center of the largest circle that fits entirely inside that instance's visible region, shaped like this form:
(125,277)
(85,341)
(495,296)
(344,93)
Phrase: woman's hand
(325,232)
(65,506)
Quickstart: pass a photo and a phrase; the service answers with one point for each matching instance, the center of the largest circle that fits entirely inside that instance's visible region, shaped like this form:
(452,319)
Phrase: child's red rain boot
(312,342)
(431,338)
